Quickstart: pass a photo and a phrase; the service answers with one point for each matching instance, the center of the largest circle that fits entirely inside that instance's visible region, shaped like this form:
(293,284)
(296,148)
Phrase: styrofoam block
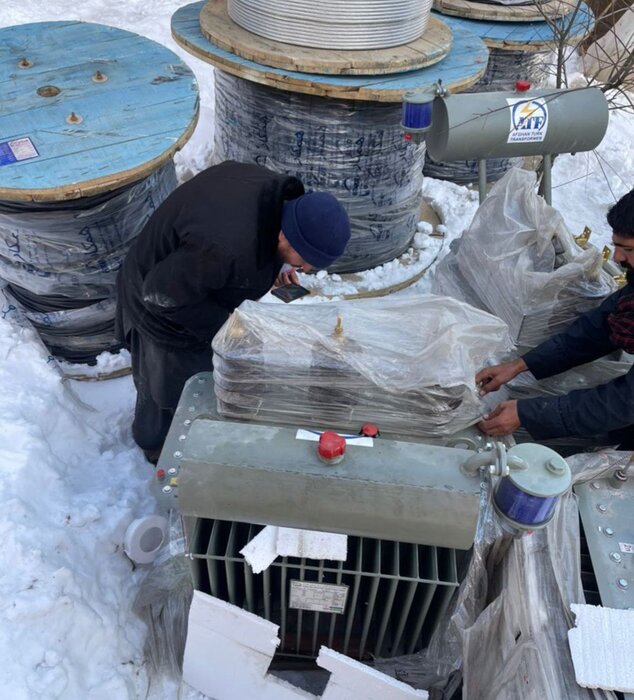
(352,680)
(229,651)
(261,551)
(234,623)
(602,647)
(311,544)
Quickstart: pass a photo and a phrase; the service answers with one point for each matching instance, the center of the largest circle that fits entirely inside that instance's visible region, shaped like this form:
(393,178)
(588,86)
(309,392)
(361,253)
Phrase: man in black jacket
(608,408)
(218,239)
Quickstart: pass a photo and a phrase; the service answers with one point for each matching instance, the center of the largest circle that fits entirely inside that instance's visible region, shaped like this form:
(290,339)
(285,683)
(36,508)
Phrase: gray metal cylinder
(498,124)
(401,491)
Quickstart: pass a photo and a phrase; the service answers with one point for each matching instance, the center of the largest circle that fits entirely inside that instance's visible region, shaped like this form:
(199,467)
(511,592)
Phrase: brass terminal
(25,63)
(606,253)
(621,279)
(339,326)
(582,239)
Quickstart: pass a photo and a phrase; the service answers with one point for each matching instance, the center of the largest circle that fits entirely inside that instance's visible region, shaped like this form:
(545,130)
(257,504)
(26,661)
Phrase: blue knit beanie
(317,227)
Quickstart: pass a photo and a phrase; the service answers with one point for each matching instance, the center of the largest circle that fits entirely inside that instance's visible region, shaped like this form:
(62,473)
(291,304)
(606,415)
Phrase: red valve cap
(369,430)
(331,445)
(522,85)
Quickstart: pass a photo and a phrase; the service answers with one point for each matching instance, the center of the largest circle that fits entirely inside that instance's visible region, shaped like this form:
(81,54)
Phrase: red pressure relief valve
(369,430)
(522,85)
(331,448)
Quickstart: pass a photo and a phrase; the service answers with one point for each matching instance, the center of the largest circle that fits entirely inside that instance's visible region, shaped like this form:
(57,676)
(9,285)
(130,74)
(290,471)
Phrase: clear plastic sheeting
(75,248)
(62,258)
(406,364)
(524,265)
(586,376)
(352,149)
(163,602)
(506,636)
(77,333)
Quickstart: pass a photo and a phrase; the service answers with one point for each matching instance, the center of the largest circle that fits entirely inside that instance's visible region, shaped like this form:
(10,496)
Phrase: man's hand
(287,275)
(492,378)
(501,421)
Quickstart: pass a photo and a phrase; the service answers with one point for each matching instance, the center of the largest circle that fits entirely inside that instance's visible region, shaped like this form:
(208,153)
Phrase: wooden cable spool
(87,109)
(223,32)
(494,12)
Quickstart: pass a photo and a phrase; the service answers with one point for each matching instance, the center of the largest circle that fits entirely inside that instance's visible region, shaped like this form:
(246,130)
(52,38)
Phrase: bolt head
(623,583)
(171,470)
(615,556)
(555,466)
(601,507)
(178,454)
(608,532)
(166,489)
(595,485)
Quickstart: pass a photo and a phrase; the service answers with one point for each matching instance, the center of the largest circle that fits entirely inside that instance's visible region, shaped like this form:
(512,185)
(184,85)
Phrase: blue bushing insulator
(527,497)
(417,116)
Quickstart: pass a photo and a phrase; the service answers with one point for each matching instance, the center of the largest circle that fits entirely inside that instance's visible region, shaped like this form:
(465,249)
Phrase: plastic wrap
(406,364)
(77,331)
(504,68)
(352,149)
(521,261)
(506,635)
(75,248)
(586,376)
(62,259)
(163,602)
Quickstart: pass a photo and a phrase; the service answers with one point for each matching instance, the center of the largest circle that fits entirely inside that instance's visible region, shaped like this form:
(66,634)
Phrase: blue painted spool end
(87,108)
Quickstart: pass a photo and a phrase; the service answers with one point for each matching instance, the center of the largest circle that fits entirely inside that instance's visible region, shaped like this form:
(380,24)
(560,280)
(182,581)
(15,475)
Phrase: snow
(72,478)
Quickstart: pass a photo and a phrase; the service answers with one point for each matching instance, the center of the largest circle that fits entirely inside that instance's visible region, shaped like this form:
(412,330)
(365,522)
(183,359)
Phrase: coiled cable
(334,24)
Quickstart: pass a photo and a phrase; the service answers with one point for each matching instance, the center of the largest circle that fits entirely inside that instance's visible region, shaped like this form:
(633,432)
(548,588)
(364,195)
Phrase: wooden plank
(528,36)
(462,67)
(131,123)
(221,30)
(536,12)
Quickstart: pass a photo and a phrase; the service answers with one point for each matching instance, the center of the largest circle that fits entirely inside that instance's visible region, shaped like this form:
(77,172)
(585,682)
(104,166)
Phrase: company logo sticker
(529,120)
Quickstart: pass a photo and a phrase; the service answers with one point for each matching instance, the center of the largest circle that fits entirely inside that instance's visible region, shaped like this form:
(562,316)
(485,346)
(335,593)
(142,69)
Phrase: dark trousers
(159,375)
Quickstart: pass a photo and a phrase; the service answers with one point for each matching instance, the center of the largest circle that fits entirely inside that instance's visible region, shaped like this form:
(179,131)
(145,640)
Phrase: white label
(313,435)
(23,149)
(318,597)
(626,547)
(529,119)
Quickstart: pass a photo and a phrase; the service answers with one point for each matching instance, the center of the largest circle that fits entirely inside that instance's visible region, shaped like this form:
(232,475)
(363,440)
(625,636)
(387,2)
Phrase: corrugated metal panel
(397,592)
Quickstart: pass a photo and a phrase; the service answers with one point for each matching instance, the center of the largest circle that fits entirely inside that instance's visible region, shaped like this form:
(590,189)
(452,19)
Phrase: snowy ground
(72,478)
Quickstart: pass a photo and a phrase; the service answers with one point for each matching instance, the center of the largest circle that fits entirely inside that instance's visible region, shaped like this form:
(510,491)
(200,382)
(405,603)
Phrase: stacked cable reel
(321,100)
(521,37)
(80,177)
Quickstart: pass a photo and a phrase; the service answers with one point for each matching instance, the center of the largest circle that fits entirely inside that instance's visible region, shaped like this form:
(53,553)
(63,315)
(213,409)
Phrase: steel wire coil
(335,24)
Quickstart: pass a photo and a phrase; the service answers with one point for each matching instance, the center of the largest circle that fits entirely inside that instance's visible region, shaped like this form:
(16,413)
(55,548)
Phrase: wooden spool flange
(87,109)
(538,12)
(460,69)
(220,29)
(528,36)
